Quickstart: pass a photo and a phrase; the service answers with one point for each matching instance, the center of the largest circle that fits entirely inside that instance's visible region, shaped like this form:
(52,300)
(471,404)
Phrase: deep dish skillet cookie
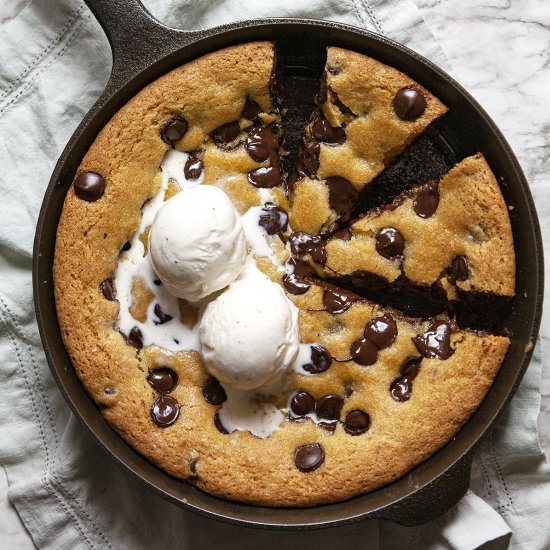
(372,393)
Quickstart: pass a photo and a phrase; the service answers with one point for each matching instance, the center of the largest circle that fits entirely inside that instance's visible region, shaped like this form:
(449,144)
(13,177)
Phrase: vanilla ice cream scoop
(249,334)
(197,243)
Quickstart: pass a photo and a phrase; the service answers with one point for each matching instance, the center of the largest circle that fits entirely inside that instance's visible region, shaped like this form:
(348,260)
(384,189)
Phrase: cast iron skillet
(143,49)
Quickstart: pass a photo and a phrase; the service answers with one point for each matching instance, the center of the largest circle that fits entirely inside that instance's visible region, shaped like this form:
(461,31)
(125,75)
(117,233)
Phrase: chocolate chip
(165,411)
(436,341)
(309,457)
(162,380)
(135,338)
(219,425)
(342,197)
(458,271)
(295,285)
(329,407)
(401,387)
(307,163)
(251,109)
(174,130)
(225,134)
(328,425)
(348,390)
(343,235)
(107,287)
(324,132)
(273,219)
(302,244)
(109,390)
(357,422)
(427,200)
(213,392)
(364,352)
(389,243)
(193,168)
(336,300)
(409,104)
(126,246)
(321,360)
(89,186)
(261,143)
(265,177)
(302,403)
(382,331)
(162,317)
(157,282)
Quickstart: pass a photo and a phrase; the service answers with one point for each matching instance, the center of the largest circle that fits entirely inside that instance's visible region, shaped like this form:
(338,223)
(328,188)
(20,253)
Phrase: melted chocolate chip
(302,244)
(193,168)
(126,246)
(295,285)
(165,411)
(302,403)
(174,130)
(409,104)
(401,387)
(308,159)
(107,287)
(436,341)
(276,86)
(265,177)
(371,281)
(226,133)
(135,338)
(343,235)
(324,132)
(213,392)
(162,380)
(322,94)
(309,457)
(382,331)
(273,219)
(459,270)
(89,186)
(251,109)
(336,300)
(328,425)
(357,422)
(219,425)
(427,200)
(321,360)
(364,352)
(329,407)
(389,243)
(261,143)
(342,197)
(162,317)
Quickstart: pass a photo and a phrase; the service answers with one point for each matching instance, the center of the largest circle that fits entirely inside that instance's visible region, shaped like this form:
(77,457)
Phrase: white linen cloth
(54,62)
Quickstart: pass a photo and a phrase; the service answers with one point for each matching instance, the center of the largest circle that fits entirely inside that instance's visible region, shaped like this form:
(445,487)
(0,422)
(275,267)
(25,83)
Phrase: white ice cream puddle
(172,335)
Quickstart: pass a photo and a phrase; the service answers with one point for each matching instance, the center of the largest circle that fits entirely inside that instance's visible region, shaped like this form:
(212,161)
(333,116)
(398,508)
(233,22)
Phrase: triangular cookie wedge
(367,113)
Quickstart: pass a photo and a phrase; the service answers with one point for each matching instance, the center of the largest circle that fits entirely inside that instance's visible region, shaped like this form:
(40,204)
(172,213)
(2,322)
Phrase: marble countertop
(499,51)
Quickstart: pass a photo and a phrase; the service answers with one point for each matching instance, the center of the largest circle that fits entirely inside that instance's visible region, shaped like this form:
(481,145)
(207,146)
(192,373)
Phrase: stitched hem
(362,6)
(49,480)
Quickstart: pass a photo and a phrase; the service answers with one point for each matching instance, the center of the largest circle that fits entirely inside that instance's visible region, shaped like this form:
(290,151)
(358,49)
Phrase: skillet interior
(434,486)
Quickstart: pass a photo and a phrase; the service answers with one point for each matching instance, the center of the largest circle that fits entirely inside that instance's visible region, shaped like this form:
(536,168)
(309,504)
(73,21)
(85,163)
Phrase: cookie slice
(455,233)
(367,113)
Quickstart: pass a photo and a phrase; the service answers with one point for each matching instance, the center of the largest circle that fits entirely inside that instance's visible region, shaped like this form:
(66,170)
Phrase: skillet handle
(433,500)
(137,39)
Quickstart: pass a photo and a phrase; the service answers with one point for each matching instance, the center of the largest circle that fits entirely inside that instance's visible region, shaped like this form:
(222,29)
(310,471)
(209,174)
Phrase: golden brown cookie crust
(208,92)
